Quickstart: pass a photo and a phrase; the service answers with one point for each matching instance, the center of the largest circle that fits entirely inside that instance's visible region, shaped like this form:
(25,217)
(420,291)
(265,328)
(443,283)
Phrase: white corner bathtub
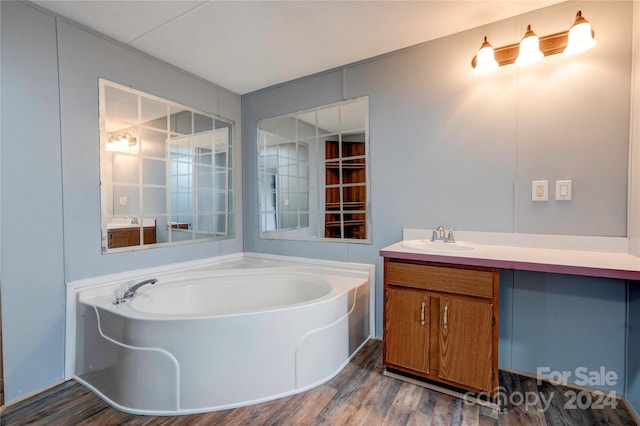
(220,336)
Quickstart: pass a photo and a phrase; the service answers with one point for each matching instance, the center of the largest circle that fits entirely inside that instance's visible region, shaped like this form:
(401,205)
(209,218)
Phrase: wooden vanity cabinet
(441,323)
(127,237)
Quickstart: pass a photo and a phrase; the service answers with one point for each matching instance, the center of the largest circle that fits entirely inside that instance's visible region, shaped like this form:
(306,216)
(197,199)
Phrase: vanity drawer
(450,279)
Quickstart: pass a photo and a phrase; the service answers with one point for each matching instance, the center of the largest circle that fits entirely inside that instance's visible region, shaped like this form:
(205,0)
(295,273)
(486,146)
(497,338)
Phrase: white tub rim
(106,298)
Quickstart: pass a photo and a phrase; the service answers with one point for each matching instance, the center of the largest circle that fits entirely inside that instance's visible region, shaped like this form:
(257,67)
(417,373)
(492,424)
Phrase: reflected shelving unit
(345,189)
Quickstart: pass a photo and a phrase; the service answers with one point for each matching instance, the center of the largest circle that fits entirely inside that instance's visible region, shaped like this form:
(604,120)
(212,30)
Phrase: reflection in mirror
(313,174)
(165,171)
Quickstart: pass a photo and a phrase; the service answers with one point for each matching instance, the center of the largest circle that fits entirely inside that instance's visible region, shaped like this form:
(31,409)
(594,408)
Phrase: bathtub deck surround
(220,334)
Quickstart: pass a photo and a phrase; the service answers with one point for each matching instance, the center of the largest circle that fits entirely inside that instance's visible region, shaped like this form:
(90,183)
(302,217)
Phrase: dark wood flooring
(358,395)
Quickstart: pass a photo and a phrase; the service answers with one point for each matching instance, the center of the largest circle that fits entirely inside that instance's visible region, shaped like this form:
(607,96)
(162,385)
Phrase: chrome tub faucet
(132,290)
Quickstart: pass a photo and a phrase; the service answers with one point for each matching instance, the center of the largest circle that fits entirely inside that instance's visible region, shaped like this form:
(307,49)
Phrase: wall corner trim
(633,207)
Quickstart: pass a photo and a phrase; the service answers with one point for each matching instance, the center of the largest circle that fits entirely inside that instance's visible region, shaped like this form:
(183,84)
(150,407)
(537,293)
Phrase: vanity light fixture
(533,48)
(121,142)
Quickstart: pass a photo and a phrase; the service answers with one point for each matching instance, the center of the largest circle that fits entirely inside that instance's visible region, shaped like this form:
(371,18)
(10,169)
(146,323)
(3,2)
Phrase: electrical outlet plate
(539,190)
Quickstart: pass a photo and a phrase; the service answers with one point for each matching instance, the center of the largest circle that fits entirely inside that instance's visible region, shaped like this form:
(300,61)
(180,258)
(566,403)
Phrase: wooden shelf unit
(345,190)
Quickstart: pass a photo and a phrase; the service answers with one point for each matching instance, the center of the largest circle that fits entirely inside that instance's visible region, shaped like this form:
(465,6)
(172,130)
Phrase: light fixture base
(549,45)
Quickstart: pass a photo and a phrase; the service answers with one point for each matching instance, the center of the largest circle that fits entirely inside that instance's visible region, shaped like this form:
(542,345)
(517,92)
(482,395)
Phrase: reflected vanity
(165,171)
(313,179)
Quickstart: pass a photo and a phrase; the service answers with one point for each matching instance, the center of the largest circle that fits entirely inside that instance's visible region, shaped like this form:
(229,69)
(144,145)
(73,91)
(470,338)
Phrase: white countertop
(125,223)
(578,255)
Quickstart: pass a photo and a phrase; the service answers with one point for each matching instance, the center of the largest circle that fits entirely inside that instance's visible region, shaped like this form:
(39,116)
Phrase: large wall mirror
(313,179)
(165,171)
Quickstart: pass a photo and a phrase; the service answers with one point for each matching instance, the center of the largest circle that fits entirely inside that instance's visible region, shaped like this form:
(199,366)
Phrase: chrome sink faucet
(132,290)
(439,235)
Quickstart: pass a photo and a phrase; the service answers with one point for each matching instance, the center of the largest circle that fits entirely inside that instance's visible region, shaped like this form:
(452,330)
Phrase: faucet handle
(450,237)
(119,295)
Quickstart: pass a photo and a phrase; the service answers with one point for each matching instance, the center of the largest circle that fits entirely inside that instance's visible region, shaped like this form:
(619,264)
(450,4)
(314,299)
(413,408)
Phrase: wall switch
(539,190)
(123,200)
(563,190)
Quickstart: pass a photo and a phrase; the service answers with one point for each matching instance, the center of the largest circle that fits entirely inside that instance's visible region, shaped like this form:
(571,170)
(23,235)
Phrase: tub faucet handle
(119,295)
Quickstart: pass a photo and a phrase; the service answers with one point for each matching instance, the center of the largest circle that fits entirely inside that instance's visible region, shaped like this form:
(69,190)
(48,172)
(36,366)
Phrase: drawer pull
(422,314)
(446,315)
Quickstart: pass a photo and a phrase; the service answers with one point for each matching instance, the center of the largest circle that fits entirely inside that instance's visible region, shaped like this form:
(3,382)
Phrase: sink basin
(429,246)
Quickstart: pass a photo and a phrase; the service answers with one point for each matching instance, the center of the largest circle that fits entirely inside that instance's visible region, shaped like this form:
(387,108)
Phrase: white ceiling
(248,45)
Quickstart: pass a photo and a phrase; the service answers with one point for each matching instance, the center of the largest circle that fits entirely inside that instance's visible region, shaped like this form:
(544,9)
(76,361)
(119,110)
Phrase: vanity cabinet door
(466,349)
(406,335)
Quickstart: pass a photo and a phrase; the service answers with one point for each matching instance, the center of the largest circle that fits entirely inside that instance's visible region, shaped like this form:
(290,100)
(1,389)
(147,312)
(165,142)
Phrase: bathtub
(222,335)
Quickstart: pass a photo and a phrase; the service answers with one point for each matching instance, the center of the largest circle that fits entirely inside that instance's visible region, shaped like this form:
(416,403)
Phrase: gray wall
(50,153)
(32,274)
(454,148)
(83,58)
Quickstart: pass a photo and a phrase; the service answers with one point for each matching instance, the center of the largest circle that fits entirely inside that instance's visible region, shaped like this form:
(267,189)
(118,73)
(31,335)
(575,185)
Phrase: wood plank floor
(358,395)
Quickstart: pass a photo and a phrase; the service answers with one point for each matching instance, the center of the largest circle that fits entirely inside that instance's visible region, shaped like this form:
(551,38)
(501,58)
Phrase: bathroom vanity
(440,322)
(130,236)
(441,301)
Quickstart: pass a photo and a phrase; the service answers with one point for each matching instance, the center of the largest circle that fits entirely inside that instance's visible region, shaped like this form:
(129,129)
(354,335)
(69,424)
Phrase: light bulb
(529,49)
(580,36)
(485,59)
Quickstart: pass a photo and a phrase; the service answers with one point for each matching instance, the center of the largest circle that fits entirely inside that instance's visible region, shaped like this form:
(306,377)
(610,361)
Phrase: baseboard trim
(31,394)
(631,411)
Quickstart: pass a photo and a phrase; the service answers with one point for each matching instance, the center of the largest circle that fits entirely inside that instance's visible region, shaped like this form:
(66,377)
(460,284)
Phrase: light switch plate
(563,190)
(539,190)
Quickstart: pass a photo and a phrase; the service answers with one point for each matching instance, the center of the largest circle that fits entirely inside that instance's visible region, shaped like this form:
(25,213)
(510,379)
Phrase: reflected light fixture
(121,142)
(533,48)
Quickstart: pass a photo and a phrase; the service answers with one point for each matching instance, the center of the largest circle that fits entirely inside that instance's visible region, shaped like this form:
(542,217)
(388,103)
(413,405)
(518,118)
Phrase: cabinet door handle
(422,314)
(446,315)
